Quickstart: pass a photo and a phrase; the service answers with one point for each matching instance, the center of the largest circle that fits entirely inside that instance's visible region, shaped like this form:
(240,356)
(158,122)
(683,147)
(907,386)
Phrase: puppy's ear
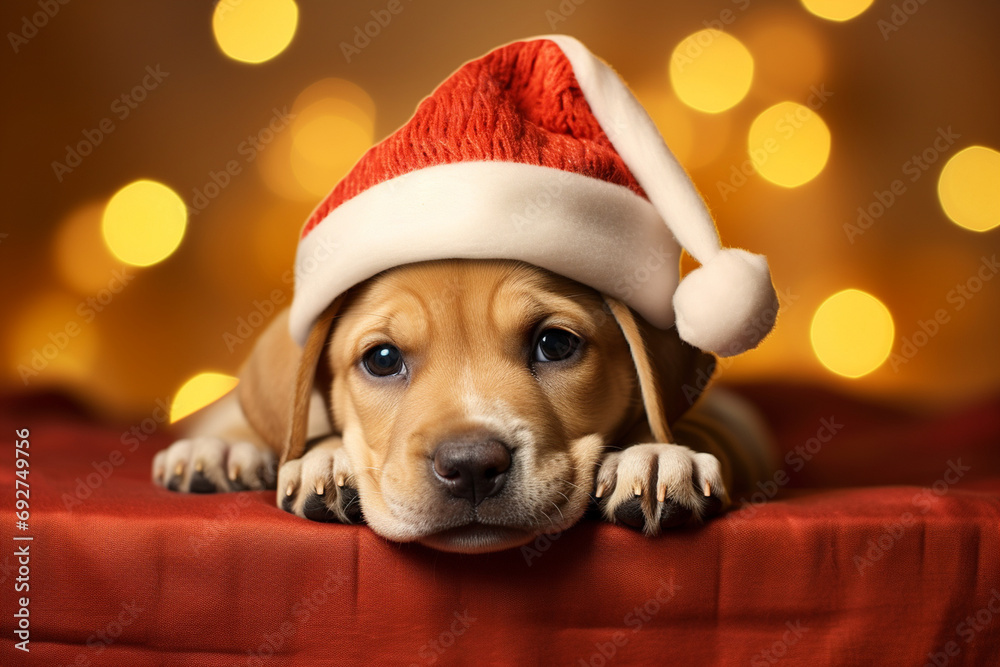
(672,374)
(277,380)
(305,380)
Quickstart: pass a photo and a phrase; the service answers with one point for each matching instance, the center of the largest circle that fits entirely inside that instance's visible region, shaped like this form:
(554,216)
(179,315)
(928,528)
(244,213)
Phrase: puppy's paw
(210,465)
(656,486)
(320,486)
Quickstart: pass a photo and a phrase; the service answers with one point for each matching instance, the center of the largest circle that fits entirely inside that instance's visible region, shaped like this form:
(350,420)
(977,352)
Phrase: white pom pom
(728,305)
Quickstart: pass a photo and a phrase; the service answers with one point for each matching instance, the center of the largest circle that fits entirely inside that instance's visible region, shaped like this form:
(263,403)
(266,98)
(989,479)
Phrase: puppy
(472,405)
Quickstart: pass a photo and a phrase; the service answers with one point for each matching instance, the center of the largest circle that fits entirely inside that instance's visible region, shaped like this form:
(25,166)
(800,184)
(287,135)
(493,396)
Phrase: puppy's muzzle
(472,468)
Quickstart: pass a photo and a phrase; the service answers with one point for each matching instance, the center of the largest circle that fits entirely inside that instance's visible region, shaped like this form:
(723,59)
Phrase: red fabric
(519,103)
(172,579)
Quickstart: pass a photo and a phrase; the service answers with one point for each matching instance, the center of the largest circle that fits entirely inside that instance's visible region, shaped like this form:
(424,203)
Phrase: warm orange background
(890,97)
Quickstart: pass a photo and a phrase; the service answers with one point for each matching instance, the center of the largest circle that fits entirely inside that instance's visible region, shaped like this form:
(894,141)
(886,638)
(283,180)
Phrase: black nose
(472,470)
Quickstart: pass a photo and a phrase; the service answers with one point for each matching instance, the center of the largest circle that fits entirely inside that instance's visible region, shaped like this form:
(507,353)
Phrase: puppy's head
(475,398)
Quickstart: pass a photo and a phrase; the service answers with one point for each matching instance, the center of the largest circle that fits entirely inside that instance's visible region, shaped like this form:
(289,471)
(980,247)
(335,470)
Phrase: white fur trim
(598,233)
(715,307)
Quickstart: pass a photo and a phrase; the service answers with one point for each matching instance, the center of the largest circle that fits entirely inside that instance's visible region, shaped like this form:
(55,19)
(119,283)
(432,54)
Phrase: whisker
(566,481)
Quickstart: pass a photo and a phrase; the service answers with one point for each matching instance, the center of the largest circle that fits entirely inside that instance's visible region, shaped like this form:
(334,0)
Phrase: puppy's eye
(384,360)
(555,345)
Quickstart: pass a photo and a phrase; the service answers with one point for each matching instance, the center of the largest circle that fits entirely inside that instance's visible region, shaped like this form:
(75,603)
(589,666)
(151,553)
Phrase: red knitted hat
(538,152)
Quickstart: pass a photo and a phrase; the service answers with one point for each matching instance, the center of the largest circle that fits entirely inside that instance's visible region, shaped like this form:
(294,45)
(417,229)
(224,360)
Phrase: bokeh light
(969,188)
(789,144)
(254,31)
(334,125)
(199,391)
(53,340)
(80,257)
(711,71)
(837,10)
(325,145)
(852,333)
(144,223)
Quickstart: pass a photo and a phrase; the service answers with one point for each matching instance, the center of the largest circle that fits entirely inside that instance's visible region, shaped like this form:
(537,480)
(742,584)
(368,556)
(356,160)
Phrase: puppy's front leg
(320,486)
(722,447)
(225,455)
(653,486)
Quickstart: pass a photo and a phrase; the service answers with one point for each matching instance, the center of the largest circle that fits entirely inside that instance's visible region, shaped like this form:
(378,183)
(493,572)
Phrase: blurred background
(161,157)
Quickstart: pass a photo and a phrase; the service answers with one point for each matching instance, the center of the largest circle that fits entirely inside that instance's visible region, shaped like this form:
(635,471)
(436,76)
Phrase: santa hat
(538,152)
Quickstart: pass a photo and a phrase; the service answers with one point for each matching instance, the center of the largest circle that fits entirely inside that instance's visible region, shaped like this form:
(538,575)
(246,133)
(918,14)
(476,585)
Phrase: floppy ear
(277,380)
(672,374)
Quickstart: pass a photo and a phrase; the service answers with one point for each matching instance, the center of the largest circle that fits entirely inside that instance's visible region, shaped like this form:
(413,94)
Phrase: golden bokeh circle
(254,31)
(711,71)
(852,333)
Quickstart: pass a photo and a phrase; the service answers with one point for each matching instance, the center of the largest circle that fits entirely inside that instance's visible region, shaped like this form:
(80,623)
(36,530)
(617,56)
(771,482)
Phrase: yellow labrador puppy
(472,405)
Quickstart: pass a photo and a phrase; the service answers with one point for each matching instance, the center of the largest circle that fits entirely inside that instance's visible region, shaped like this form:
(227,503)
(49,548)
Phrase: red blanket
(879,544)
